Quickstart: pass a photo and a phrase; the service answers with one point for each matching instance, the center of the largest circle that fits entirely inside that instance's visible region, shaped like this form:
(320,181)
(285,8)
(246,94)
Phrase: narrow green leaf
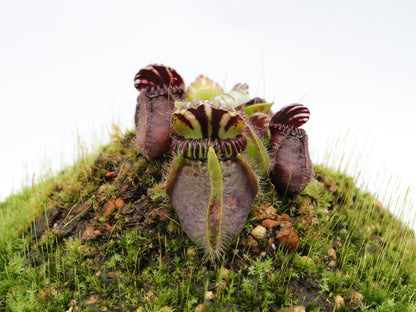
(256,152)
(215,206)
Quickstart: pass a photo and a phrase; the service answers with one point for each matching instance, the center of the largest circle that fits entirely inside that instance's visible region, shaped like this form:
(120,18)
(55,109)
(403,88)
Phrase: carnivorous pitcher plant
(217,138)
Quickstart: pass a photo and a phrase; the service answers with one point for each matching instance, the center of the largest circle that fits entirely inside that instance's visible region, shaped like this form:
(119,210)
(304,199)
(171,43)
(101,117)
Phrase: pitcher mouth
(289,130)
(197,149)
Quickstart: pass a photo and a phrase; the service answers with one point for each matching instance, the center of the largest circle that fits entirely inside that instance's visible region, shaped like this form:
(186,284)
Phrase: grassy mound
(102,236)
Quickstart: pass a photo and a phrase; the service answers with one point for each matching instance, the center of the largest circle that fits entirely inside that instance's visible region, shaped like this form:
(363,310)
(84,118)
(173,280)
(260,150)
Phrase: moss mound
(102,236)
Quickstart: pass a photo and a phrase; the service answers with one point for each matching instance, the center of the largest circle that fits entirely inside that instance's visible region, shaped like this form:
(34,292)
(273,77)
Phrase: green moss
(60,250)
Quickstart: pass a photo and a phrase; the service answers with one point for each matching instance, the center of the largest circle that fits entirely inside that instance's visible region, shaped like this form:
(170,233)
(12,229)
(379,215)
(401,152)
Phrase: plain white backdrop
(67,68)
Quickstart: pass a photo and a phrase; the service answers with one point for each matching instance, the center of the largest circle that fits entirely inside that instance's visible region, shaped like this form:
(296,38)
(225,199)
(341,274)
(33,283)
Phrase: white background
(67,68)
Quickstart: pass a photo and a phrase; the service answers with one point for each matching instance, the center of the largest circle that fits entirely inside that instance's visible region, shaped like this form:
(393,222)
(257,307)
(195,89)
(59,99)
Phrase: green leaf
(215,206)
(256,152)
(257,108)
(178,163)
(232,98)
(202,89)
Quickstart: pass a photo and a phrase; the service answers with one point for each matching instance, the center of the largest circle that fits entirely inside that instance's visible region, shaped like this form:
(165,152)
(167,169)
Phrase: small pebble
(258,232)
(337,245)
(83,207)
(284,217)
(339,301)
(93,300)
(199,308)
(191,251)
(109,207)
(203,307)
(254,245)
(107,226)
(221,284)
(269,223)
(354,300)
(110,174)
(119,202)
(332,264)
(332,254)
(209,295)
(150,296)
(288,236)
(265,211)
(90,233)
